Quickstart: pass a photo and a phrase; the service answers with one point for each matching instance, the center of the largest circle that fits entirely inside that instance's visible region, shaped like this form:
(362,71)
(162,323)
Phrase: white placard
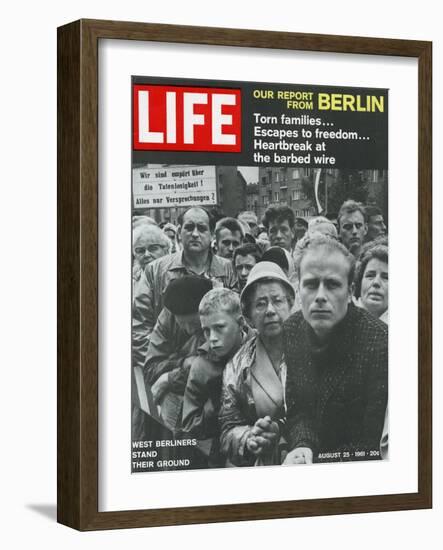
(118,489)
(165,187)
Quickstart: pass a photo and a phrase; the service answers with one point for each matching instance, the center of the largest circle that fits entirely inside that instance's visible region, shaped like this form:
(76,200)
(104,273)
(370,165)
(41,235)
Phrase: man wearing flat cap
(176,336)
(196,227)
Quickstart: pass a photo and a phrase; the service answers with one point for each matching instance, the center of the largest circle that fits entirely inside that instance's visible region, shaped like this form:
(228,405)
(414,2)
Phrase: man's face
(376,227)
(222,332)
(281,234)
(195,233)
(269,309)
(148,248)
(243,266)
(352,231)
(299,230)
(227,242)
(189,323)
(251,220)
(324,289)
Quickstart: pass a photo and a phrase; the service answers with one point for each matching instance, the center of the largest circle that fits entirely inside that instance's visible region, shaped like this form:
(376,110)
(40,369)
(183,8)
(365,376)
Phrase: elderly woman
(372,291)
(148,243)
(252,403)
(372,281)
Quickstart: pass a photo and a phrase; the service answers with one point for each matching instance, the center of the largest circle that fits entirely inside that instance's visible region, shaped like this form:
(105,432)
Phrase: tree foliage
(342,185)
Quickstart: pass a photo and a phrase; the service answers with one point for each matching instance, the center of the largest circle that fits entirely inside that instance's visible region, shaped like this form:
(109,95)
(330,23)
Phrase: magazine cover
(259,274)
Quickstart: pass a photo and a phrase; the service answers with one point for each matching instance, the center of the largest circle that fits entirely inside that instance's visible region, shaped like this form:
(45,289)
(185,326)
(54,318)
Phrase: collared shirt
(148,295)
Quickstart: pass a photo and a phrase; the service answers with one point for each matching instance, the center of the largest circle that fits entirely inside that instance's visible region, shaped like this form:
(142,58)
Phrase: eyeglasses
(277,301)
(152,249)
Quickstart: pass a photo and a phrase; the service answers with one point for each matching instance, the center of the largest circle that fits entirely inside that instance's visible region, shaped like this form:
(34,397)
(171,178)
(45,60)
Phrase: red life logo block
(184,118)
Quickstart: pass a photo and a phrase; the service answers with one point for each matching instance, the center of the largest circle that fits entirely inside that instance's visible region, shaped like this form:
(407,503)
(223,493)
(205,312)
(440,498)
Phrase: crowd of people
(265,341)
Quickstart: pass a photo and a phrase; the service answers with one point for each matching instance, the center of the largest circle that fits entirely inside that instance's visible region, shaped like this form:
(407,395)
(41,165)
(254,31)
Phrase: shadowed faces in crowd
(279,222)
(281,234)
(376,227)
(245,258)
(251,219)
(189,323)
(243,266)
(353,230)
(229,236)
(227,242)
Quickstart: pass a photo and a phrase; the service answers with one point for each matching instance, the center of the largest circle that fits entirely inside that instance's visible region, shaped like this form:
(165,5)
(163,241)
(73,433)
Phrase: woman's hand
(264,435)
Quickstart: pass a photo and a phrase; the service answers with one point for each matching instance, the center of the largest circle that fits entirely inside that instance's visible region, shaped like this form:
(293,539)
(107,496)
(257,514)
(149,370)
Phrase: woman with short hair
(372,281)
(148,244)
(372,290)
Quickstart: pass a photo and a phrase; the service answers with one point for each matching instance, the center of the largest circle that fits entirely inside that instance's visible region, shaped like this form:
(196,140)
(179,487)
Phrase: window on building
(295,174)
(276,196)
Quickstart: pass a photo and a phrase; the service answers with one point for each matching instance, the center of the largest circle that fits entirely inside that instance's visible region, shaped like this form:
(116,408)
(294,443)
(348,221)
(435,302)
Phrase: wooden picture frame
(78,465)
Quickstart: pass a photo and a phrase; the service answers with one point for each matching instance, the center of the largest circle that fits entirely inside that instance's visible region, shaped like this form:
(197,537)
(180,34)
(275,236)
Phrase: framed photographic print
(227,204)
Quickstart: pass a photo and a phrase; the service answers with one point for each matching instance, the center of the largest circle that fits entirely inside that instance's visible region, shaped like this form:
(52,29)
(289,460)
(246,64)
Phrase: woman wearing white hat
(253,402)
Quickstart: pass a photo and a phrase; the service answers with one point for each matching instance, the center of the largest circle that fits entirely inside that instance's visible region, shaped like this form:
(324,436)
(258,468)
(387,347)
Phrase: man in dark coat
(337,358)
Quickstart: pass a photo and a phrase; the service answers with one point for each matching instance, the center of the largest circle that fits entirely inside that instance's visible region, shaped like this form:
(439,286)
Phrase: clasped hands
(263,436)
